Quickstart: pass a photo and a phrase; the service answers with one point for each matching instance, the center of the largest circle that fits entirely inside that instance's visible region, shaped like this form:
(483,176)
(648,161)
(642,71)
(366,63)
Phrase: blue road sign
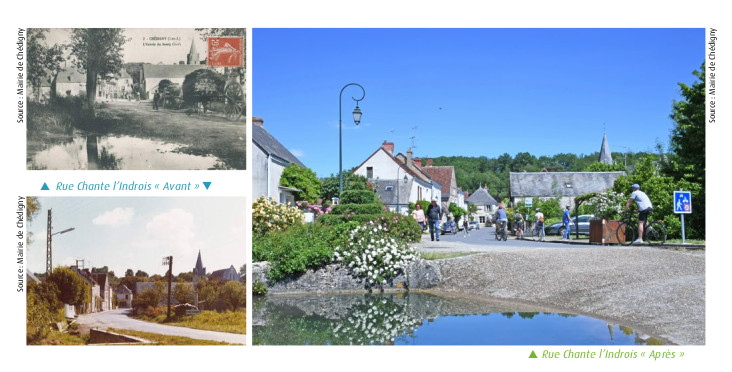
(682,202)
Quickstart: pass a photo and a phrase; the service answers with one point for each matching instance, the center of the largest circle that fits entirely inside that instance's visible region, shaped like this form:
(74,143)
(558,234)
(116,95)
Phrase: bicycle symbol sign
(682,202)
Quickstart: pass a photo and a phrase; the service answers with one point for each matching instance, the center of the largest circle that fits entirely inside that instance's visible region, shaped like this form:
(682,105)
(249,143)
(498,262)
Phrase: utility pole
(169,261)
(49,264)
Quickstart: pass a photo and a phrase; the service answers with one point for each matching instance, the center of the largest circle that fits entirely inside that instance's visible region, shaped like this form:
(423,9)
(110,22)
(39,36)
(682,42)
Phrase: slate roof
(481,197)
(605,155)
(390,196)
(414,170)
(271,146)
(123,289)
(169,71)
(229,274)
(552,184)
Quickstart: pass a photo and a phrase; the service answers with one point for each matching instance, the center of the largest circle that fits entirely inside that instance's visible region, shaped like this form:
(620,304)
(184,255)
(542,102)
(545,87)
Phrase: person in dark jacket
(433,218)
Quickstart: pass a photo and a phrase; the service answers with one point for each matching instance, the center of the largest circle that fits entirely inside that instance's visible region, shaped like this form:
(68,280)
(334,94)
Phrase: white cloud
(116,217)
(172,233)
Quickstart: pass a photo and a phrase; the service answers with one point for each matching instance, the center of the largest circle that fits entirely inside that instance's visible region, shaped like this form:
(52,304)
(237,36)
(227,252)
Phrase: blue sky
(470,92)
(136,233)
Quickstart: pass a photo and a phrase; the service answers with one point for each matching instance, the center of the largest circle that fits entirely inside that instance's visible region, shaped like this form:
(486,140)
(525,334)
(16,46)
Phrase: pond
(424,319)
(92,152)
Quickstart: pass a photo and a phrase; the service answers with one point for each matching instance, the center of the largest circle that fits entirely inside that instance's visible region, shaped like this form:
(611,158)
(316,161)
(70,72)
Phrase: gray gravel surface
(656,291)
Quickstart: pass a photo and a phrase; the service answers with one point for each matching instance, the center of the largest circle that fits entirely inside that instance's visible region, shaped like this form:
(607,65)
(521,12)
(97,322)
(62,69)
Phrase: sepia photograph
(136,99)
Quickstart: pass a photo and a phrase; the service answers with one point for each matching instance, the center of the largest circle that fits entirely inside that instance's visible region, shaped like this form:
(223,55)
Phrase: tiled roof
(271,146)
(70,75)
(442,175)
(553,184)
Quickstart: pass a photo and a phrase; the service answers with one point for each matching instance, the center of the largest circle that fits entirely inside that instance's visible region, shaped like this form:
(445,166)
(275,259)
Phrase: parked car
(474,225)
(446,228)
(584,226)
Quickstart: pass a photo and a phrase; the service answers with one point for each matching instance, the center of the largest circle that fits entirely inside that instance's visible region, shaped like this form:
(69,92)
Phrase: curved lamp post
(356,119)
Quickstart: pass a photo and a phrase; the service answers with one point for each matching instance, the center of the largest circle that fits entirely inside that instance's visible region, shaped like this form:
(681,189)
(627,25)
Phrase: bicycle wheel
(626,233)
(655,233)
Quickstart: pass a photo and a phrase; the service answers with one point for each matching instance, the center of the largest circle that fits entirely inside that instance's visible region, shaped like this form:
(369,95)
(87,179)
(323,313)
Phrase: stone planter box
(604,232)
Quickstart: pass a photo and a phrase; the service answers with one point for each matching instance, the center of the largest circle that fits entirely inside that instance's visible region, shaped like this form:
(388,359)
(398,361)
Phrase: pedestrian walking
(539,224)
(418,214)
(466,227)
(156,99)
(566,221)
(645,207)
(433,220)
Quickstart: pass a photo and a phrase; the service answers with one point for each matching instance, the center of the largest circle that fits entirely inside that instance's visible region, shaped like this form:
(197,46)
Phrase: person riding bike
(518,226)
(645,207)
(501,218)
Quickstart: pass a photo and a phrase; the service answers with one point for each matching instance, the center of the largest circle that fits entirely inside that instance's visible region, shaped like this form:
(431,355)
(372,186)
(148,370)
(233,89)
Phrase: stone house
(485,205)
(124,296)
(385,169)
(105,290)
(269,160)
(565,185)
(95,304)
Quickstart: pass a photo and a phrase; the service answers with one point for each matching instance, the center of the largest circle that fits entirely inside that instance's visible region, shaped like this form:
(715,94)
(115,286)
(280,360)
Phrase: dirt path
(203,134)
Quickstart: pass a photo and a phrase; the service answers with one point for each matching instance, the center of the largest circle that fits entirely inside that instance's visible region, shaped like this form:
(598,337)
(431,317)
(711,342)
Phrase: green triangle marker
(207,184)
(533,355)
(45,187)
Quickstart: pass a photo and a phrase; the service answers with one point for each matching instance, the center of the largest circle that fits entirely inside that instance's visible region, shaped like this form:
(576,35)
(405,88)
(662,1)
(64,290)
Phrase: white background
(317,13)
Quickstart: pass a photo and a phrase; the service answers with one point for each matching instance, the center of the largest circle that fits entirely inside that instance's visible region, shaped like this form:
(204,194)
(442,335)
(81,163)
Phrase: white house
(485,204)
(385,169)
(269,159)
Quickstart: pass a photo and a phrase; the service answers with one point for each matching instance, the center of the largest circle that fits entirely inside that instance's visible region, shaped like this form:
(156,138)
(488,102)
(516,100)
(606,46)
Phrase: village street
(120,320)
(209,133)
(659,291)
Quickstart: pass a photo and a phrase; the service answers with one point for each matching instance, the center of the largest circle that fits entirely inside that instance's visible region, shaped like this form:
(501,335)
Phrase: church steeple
(605,155)
(199,270)
(193,54)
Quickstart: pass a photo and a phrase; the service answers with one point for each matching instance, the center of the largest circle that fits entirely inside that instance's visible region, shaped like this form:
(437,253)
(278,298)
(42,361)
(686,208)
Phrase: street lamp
(356,119)
(49,241)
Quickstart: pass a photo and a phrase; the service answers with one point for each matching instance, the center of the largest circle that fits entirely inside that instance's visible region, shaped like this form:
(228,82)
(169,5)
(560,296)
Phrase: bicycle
(518,227)
(501,231)
(539,231)
(654,232)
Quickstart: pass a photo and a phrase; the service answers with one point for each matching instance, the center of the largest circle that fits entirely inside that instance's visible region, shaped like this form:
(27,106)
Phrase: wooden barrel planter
(604,232)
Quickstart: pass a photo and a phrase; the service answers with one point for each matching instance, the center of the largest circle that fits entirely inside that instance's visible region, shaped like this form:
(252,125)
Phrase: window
(389,188)
(482,219)
(369,172)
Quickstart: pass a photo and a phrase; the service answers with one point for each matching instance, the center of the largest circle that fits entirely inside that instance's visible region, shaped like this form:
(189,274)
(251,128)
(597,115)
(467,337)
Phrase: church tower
(605,155)
(193,56)
(199,272)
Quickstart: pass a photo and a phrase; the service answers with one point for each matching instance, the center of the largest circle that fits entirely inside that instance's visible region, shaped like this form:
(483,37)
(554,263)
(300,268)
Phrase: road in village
(483,240)
(119,319)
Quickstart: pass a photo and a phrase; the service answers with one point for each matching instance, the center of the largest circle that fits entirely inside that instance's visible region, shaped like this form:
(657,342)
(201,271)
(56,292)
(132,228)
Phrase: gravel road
(656,291)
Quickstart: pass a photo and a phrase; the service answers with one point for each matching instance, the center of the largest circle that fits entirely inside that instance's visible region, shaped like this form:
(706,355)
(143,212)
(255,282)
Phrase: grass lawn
(688,241)
(167,340)
(231,322)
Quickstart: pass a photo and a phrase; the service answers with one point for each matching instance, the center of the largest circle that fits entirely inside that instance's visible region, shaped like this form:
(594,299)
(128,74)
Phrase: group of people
(432,218)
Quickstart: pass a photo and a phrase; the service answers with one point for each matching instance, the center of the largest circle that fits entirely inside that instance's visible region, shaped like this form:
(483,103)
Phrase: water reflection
(424,319)
(94,152)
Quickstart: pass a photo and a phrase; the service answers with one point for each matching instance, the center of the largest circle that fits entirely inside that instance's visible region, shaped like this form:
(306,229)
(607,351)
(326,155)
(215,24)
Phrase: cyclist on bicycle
(644,209)
(539,224)
(518,225)
(501,218)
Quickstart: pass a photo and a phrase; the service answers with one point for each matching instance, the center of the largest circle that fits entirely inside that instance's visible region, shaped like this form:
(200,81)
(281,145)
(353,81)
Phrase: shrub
(399,226)
(294,250)
(259,289)
(372,253)
(268,216)
(358,197)
(373,208)
(38,316)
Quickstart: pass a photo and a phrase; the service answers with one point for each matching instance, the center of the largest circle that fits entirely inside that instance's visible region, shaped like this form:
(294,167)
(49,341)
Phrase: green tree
(129,272)
(98,52)
(234,294)
(604,167)
(38,316)
(72,288)
(141,274)
(183,293)
(302,179)
(202,86)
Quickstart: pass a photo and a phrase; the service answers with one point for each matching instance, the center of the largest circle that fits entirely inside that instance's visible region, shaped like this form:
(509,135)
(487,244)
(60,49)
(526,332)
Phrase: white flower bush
(375,321)
(373,254)
(608,205)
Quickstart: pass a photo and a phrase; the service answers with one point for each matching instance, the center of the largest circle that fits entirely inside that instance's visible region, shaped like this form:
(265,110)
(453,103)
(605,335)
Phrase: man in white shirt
(644,209)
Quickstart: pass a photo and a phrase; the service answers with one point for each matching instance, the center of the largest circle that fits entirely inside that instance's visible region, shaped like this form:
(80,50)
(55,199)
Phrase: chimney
(418,162)
(258,121)
(388,146)
(409,157)
(429,162)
